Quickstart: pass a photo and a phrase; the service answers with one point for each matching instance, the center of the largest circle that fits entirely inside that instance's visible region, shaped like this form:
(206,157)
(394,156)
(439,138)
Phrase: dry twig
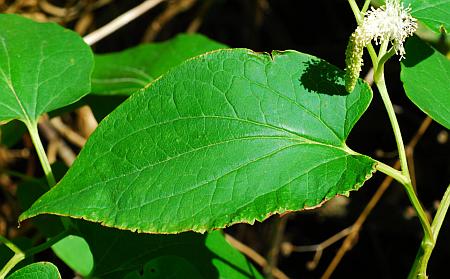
(253,255)
(120,21)
(171,11)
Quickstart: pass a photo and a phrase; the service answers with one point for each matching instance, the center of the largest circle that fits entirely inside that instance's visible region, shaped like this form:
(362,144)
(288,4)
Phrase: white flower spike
(391,22)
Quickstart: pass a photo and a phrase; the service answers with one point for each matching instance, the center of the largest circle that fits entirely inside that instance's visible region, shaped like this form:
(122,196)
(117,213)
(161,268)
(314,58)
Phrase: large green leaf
(41,270)
(118,253)
(42,67)
(230,136)
(127,71)
(426,79)
(434,13)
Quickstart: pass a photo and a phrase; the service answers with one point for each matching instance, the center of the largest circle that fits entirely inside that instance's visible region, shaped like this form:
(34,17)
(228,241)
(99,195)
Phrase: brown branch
(171,11)
(198,20)
(67,132)
(272,256)
(86,121)
(356,227)
(254,256)
(288,248)
(64,151)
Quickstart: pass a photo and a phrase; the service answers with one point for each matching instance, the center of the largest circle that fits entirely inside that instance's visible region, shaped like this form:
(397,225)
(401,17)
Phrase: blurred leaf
(41,270)
(230,136)
(426,79)
(122,73)
(75,252)
(42,67)
(434,13)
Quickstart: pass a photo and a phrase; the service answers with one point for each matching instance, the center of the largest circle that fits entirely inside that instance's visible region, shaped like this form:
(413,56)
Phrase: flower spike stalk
(391,23)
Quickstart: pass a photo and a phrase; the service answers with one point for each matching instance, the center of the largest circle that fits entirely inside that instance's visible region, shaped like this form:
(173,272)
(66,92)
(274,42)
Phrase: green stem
(10,245)
(49,243)
(365,7)
(419,268)
(440,214)
(32,128)
(355,10)
(381,85)
(11,264)
(19,255)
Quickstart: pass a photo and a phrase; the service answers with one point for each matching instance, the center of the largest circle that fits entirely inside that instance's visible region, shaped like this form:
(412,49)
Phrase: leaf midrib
(8,81)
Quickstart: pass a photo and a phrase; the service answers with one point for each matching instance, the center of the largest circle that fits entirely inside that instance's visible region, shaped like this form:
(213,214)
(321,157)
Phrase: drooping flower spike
(391,22)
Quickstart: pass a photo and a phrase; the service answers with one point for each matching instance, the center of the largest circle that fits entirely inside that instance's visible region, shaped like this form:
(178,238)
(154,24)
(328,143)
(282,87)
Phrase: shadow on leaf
(416,51)
(323,78)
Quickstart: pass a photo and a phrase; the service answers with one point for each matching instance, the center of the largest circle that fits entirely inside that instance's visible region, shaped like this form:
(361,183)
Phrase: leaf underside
(230,136)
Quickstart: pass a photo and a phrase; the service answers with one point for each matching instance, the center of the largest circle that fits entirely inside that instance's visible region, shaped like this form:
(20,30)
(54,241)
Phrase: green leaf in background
(127,71)
(41,270)
(118,253)
(434,13)
(426,79)
(227,137)
(75,252)
(42,67)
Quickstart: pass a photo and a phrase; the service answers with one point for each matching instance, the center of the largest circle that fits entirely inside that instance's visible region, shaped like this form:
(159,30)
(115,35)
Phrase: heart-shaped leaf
(41,270)
(123,73)
(426,79)
(42,67)
(230,136)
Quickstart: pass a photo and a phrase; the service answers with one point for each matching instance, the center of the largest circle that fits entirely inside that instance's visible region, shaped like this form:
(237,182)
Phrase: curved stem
(10,245)
(32,128)
(49,243)
(381,85)
(419,268)
(18,257)
(440,214)
(355,10)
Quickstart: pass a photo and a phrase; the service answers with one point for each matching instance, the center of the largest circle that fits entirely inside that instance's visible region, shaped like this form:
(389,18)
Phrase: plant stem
(355,10)
(365,7)
(440,214)
(18,257)
(49,243)
(381,85)
(32,128)
(10,245)
(419,268)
